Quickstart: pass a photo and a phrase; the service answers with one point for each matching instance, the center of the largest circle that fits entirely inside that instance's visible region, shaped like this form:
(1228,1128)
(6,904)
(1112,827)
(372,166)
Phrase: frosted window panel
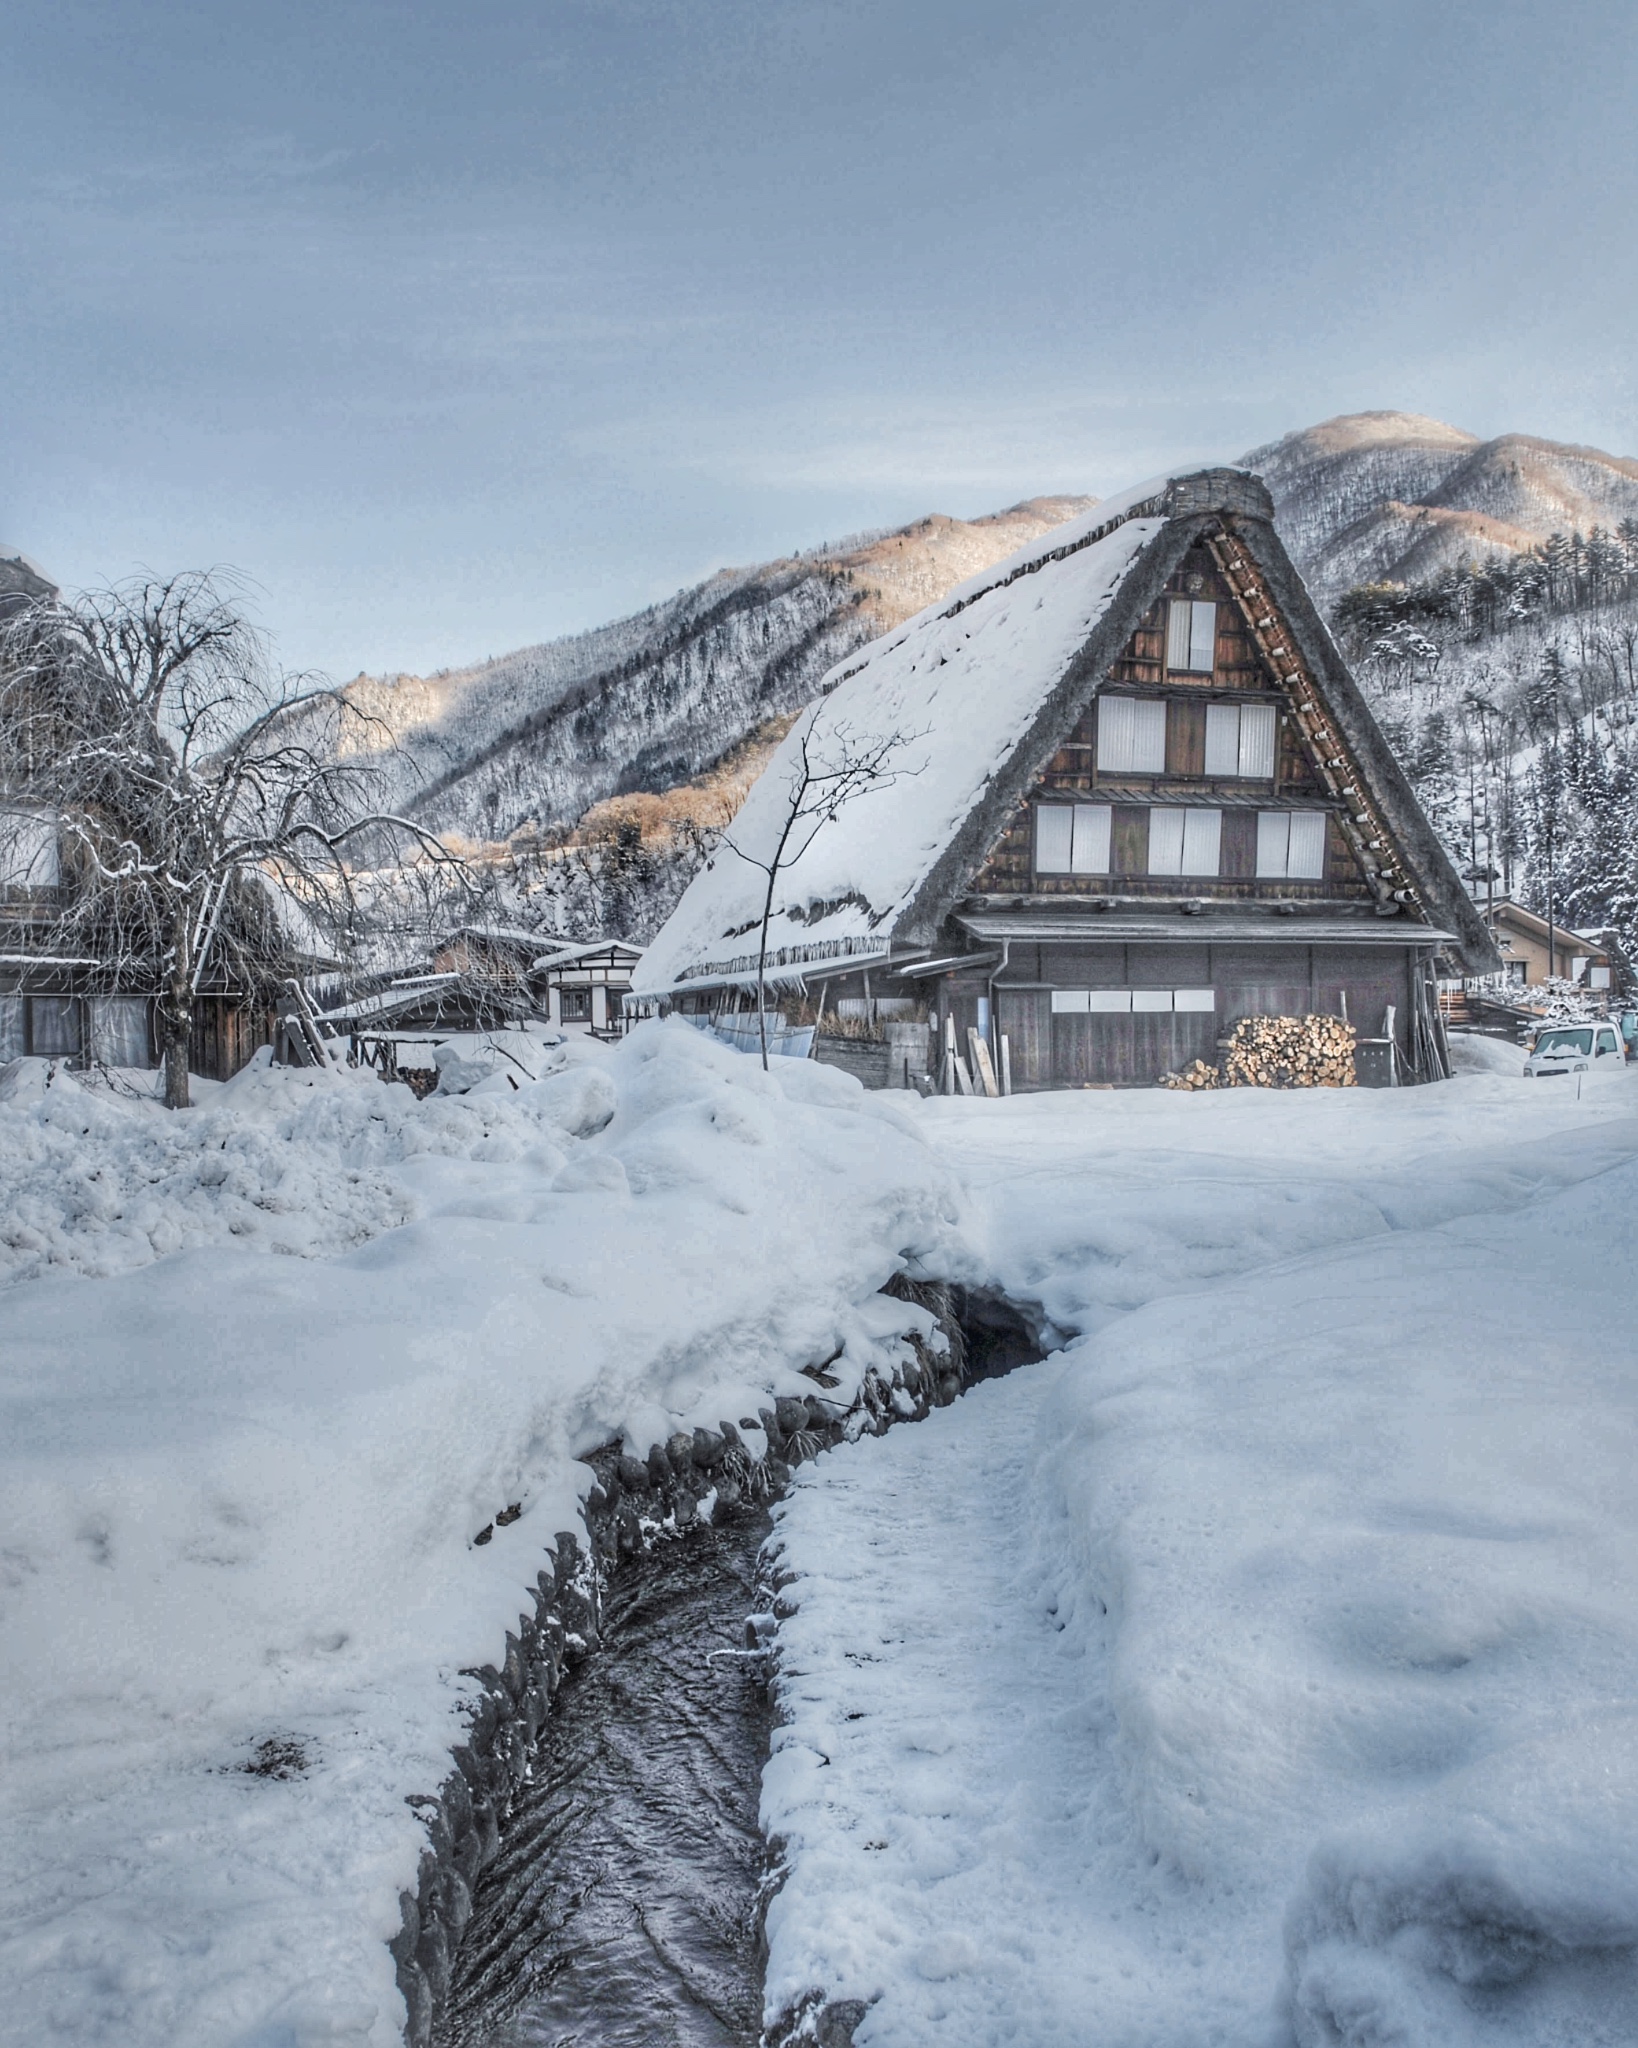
(1222,739)
(1165,842)
(1202,842)
(1202,638)
(1109,1001)
(1054,826)
(1151,999)
(28,850)
(1599,978)
(1089,850)
(13,1039)
(1194,999)
(1257,740)
(1132,735)
(55,1022)
(1069,1002)
(1305,860)
(119,1030)
(1273,844)
(1179,620)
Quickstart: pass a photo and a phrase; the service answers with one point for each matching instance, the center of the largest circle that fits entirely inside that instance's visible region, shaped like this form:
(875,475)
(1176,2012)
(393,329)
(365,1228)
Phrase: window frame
(1093,820)
(1191,816)
(1267,820)
(1141,714)
(1200,636)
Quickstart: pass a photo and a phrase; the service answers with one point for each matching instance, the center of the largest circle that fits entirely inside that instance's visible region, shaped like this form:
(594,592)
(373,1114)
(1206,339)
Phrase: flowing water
(622,1909)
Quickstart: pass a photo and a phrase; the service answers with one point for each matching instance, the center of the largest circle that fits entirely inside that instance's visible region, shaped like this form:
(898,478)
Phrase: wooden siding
(1104,1049)
(225,1034)
(1240,674)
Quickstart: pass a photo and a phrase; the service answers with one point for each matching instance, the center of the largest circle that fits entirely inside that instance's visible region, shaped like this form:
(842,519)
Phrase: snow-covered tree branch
(203,799)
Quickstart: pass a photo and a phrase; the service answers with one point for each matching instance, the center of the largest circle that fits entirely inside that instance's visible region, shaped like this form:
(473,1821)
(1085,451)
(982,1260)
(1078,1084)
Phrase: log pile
(1290,1052)
(1277,1052)
(1198,1074)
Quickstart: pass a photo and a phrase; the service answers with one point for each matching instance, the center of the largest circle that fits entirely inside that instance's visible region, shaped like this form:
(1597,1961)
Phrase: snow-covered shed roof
(974,693)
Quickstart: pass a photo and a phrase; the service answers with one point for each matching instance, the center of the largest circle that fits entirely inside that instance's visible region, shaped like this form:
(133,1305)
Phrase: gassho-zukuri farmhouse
(1132,794)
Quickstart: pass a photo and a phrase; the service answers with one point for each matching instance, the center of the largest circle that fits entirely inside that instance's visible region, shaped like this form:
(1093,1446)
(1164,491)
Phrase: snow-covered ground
(1262,1666)
(1267,1658)
(266,1369)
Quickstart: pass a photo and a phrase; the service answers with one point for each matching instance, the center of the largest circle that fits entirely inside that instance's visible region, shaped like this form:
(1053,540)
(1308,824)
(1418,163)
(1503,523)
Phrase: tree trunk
(177,1032)
(176,1011)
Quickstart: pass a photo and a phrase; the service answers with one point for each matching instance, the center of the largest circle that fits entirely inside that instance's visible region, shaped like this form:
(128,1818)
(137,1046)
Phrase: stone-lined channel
(620,1904)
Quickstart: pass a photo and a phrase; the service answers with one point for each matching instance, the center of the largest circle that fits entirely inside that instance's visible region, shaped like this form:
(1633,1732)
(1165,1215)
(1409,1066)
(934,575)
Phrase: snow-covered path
(1263,1667)
(973,1855)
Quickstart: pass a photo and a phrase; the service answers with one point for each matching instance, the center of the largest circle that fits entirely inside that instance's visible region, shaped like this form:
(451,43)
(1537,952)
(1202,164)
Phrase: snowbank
(1277,1679)
(238,1492)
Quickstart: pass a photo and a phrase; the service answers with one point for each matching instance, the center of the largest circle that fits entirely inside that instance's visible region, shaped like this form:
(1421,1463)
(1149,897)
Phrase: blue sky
(456,327)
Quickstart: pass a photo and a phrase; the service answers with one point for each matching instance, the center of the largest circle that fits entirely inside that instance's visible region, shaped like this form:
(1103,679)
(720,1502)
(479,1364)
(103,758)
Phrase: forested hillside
(1509,687)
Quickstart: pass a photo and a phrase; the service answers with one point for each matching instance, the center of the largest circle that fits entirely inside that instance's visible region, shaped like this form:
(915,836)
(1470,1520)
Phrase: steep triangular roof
(978,691)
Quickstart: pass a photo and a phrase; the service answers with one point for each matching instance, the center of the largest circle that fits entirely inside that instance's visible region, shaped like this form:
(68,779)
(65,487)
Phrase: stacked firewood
(1290,1052)
(1277,1052)
(1198,1074)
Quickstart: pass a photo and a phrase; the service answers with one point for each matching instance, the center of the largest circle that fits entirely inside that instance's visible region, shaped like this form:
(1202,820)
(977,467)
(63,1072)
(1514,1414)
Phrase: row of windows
(1077,839)
(1240,738)
(113,1028)
(1121,1002)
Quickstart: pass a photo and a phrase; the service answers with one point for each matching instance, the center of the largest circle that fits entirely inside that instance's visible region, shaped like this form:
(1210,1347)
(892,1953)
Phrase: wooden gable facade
(1207,839)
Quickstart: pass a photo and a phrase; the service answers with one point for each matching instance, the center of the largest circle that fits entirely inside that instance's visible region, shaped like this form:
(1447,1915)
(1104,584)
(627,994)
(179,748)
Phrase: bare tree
(202,797)
(825,773)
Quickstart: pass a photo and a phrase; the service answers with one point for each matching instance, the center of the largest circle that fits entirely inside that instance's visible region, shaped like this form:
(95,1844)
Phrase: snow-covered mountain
(1377,496)
(537,737)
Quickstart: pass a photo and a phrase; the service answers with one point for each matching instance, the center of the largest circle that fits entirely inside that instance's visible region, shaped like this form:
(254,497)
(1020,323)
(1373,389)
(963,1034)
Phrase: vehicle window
(1606,1041)
(1579,1040)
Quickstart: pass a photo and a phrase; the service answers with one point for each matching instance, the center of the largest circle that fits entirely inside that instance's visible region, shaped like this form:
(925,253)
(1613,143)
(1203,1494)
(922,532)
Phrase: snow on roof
(961,682)
(561,956)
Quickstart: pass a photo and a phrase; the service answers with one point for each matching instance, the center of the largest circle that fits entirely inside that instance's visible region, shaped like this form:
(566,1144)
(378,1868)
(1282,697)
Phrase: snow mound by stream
(239,1493)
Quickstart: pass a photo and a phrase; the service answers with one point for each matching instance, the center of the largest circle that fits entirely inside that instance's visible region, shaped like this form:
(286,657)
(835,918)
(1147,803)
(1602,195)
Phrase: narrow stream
(622,1909)
(621,1912)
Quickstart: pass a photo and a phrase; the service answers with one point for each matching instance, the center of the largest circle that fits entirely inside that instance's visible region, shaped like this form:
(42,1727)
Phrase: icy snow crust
(1261,1668)
(960,685)
(238,1491)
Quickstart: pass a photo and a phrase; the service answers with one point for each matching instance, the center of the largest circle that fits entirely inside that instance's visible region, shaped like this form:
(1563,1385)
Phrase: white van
(1573,1048)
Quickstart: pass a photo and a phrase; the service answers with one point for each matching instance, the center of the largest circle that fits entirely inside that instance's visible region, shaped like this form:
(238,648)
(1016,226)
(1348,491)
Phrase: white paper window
(1290,845)
(1110,1001)
(28,850)
(1185,842)
(119,1030)
(1072,839)
(54,1023)
(1257,740)
(1240,740)
(1165,842)
(1191,636)
(1054,838)
(1132,735)
(1599,978)
(1194,999)
(1069,1002)
(1151,999)
(1307,858)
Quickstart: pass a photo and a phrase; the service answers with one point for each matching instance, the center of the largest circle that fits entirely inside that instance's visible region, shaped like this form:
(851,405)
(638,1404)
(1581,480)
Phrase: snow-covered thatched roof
(962,683)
